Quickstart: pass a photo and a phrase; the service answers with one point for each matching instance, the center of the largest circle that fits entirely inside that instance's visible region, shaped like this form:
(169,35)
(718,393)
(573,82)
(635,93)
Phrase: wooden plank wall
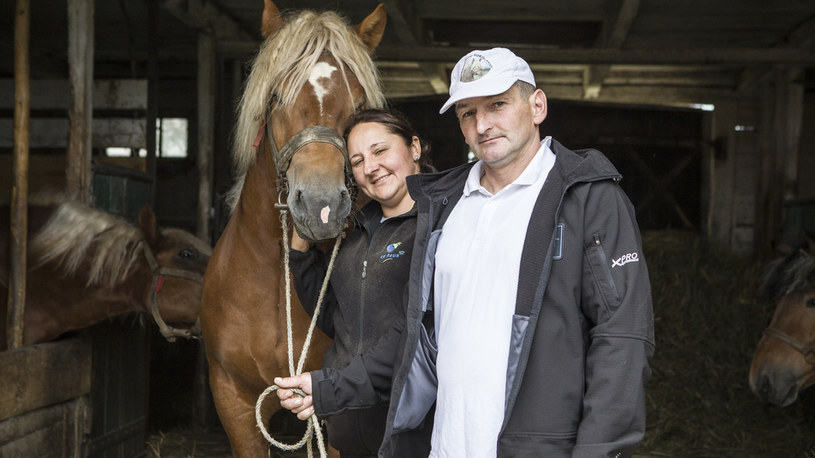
(43,398)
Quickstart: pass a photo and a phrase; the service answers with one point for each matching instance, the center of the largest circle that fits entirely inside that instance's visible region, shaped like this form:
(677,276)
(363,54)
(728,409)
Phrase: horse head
(784,361)
(177,261)
(310,75)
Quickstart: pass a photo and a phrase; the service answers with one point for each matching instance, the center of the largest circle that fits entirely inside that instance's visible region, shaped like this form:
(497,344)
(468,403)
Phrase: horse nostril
(344,196)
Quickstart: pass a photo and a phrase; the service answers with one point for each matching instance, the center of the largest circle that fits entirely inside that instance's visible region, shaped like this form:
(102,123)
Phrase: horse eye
(186,254)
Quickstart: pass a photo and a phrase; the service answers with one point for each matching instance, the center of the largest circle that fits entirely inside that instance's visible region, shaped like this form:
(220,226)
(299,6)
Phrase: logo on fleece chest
(392,252)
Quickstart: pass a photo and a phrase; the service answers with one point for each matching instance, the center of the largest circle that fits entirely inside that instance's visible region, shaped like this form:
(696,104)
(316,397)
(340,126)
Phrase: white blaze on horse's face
(319,71)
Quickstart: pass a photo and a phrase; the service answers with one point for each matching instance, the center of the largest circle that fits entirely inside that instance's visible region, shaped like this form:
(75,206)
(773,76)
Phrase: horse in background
(85,266)
(784,361)
(311,73)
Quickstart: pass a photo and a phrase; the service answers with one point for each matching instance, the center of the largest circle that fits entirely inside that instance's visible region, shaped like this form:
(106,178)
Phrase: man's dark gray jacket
(582,331)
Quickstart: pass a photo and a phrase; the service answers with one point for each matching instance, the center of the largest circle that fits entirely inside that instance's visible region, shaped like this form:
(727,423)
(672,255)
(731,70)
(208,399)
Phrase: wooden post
(19,190)
(152,94)
(794,94)
(80,114)
(206,123)
(767,211)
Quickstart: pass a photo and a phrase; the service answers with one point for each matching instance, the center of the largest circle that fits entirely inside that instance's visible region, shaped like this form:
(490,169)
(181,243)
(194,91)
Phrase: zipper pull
(596,239)
(364,268)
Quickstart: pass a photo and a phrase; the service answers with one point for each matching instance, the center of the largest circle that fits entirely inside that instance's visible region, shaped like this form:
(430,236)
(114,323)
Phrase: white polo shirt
(476,279)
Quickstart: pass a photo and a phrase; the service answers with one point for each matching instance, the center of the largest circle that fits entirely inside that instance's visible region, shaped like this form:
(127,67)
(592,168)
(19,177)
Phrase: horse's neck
(256,206)
(57,304)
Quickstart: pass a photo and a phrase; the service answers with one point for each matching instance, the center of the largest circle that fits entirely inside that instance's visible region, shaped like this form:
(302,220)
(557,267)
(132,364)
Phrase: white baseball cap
(485,73)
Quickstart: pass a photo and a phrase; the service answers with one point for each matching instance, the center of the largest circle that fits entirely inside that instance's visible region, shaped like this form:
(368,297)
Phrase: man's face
(501,128)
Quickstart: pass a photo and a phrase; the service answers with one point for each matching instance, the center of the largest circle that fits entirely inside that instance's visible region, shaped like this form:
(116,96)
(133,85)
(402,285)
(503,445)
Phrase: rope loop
(313,423)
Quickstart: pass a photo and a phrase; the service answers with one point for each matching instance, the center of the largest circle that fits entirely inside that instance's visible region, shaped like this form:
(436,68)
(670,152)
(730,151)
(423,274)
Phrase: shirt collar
(530,175)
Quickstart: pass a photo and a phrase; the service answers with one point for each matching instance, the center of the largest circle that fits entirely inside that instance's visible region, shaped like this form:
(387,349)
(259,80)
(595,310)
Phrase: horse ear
(271,22)
(147,223)
(372,27)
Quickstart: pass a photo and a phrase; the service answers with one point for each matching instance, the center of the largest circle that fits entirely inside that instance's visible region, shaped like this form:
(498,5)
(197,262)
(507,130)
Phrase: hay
(707,324)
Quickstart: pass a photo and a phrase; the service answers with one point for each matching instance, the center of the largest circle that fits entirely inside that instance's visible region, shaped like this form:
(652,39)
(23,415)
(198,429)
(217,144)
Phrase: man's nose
(482,123)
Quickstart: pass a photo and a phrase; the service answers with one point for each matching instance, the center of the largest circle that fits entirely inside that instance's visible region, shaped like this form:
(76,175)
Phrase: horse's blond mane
(76,233)
(282,67)
(788,275)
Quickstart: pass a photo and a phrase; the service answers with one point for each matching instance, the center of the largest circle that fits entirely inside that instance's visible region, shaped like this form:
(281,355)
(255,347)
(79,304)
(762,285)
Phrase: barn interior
(703,106)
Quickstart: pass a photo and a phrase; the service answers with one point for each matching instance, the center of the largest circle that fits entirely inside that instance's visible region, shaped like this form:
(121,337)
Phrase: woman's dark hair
(397,124)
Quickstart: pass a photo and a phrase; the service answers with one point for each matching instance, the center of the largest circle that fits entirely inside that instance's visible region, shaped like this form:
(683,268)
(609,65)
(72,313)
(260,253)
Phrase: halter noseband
(807,350)
(322,134)
(170,333)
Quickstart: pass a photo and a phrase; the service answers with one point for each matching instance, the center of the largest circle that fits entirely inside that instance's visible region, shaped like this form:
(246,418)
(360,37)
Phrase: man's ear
(539,106)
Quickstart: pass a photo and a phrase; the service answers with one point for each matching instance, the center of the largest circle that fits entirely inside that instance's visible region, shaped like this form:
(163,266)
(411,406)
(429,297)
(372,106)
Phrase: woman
(371,270)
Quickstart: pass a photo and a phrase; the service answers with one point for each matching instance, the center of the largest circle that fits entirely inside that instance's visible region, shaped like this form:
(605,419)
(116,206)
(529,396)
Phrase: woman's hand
(302,406)
(298,243)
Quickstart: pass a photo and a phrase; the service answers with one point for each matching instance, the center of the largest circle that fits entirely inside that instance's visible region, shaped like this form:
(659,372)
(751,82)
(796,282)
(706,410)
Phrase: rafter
(613,36)
(406,23)
(802,36)
(203,15)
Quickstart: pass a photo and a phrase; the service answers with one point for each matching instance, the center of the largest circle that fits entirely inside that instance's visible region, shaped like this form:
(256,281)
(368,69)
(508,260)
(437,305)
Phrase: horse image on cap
(475,67)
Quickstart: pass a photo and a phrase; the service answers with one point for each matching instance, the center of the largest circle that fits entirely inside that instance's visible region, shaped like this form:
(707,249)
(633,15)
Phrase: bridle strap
(322,134)
(157,271)
(807,350)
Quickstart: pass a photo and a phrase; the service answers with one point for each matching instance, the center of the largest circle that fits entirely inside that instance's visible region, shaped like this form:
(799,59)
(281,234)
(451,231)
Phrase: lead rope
(313,423)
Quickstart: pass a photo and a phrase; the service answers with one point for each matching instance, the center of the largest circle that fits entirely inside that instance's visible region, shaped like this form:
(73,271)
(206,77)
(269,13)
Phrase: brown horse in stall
(311,73)
(784,361)
(85,265)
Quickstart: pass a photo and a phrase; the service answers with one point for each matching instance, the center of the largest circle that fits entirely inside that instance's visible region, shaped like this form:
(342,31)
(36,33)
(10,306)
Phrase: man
(529,280)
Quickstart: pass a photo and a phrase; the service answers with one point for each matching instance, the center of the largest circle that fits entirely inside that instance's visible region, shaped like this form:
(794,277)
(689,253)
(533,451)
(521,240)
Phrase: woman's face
(380,161)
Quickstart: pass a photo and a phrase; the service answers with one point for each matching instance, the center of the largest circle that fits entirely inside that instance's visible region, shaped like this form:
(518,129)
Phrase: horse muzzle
(319,214)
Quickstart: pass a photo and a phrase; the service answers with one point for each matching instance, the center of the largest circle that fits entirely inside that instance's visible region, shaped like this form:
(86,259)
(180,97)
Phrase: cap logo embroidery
(475,67)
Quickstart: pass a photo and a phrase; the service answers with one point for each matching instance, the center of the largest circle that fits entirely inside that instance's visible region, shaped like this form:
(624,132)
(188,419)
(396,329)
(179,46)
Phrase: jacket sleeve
(308,272)
(366,380)
(616,300)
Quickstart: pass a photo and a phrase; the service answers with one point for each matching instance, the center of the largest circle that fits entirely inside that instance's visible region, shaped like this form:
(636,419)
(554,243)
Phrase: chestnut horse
(312,72)
(784,361)
(85,265)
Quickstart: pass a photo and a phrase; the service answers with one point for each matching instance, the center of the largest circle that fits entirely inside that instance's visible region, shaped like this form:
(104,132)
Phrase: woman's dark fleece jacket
(364,296)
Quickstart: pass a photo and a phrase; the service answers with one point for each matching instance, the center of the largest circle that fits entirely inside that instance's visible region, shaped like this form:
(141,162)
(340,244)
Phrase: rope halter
(159,272)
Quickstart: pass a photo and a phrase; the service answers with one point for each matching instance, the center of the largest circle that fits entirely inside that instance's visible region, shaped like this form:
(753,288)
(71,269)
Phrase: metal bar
(19,190)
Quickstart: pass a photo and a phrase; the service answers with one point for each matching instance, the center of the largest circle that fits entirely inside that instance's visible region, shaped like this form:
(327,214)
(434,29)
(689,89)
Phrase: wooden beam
(802,37)
(205,15)
(408,28)
(206,128)
(115,94)
(80,72)
(789,114)
(152,95)
(734,56)
(613,36)
(19,201)
(648,57)
(39,375)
